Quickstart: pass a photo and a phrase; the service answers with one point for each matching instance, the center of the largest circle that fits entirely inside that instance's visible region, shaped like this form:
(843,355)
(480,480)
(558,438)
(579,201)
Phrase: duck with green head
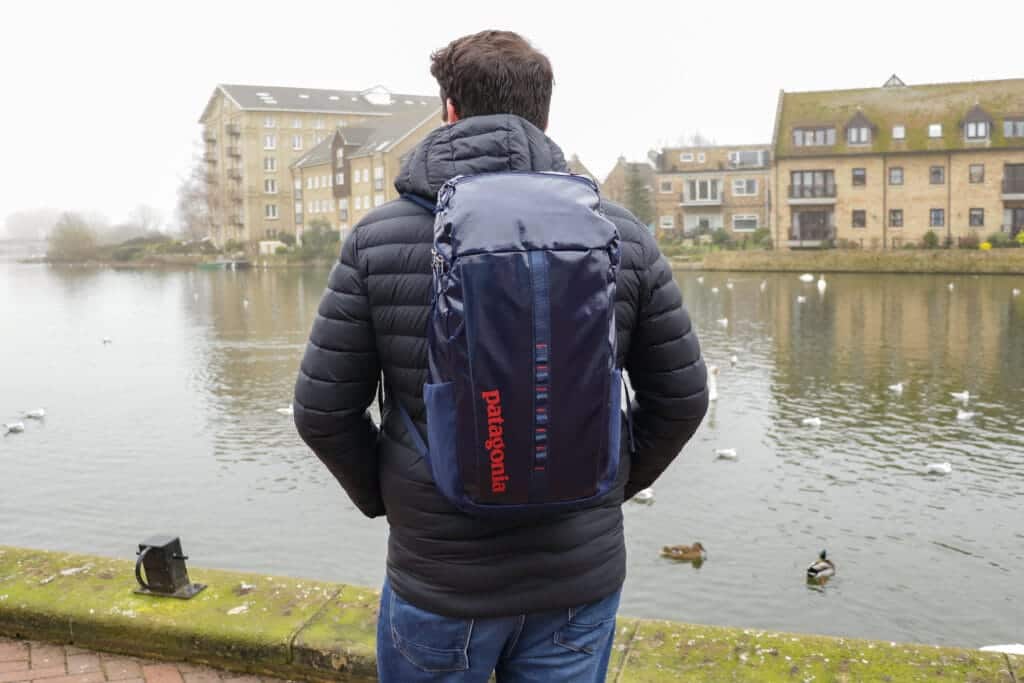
(822,570)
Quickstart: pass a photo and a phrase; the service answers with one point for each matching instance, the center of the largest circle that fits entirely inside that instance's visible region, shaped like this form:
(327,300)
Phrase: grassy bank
(951,261)
(314,630)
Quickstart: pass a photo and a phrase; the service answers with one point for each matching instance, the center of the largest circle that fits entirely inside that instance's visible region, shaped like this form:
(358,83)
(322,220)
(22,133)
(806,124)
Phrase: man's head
(493,72)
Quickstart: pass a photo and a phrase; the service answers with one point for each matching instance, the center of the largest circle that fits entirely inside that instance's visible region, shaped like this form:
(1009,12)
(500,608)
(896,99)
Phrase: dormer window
(935,130)
(858,136)
(899,132)
(977,124)
(977,130)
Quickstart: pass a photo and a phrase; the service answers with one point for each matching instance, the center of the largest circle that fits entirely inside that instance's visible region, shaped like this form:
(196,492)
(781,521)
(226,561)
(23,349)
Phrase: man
(464,595)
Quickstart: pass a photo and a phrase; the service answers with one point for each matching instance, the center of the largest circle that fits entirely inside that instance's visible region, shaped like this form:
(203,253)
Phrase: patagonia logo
(495,443)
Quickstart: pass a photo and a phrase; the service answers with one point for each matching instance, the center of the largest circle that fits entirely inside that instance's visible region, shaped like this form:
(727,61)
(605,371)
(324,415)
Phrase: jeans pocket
(429,641)
(589,627)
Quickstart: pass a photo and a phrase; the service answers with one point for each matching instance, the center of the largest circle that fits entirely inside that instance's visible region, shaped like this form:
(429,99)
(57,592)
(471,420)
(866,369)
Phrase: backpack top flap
(521,211)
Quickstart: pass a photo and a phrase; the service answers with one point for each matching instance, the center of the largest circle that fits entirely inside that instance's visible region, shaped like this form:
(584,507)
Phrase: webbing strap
(420,201)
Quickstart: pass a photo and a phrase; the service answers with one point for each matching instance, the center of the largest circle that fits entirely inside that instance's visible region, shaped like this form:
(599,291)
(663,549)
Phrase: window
(685,157)
(812,137)
(702,190)
(340,154)
(860,176)
(861,135)
(937,218)
(744,223)
(296,123)
(747,157)
(366,175)
(318,124)
(378,173)
(298,208)
(269,142)
(359,202)
(899,132)
(744,187)
(895,218)
(316,182)
(896,175)
(270,186)
(355,176)
(339,179)
(667,222)
(311,207)
(296,142)
(298,183)
(309,183)
(701,157)
(270,164)
(378,199)
(1013,128)
(666,186)
(977,130)
(269,122)
(860,218)
(935,130)
(937,175)
(330,205)
(270,211)
(318,138)
(976,173)
(977,218)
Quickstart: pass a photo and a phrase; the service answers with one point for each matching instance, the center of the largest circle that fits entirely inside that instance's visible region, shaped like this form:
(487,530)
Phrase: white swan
(14,428)
(245,303)
(938,468)
(951,286)
(801,299)
(290,410)
(806,277)
(811,422)
(964,415)
(724,322)
(37,414)
(727,453)
(1016,292)
(734,359)
(700,279)
(764,285)
(897,388)
(644,495)
(822,285)
(728,285)
(964,395)
(713,383)
(714,290)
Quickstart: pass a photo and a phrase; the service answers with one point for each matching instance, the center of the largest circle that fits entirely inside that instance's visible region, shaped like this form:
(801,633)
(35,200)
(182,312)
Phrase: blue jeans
(415,646)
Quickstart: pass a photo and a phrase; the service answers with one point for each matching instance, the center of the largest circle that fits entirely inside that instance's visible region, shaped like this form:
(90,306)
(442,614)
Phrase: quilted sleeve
(337,381)
(667,373)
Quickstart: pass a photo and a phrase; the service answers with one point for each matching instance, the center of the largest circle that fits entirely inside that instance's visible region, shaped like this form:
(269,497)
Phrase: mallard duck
(685,553)
(821,570)
(14,428)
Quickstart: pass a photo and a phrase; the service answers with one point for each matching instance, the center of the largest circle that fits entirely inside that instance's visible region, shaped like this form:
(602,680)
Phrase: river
(172,427)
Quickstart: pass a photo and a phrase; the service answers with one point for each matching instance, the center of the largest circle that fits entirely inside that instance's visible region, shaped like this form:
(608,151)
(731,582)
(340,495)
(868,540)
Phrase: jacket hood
(478,144)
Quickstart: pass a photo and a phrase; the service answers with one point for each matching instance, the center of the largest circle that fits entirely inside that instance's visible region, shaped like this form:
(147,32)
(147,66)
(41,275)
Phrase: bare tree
(146,218)
(197,205)
(31,224)
(694,139)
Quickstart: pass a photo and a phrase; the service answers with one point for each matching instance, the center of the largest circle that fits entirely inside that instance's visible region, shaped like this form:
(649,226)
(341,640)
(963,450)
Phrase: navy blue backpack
(523,397)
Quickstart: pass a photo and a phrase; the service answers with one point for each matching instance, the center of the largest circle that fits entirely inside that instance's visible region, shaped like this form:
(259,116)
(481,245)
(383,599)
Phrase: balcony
(711,201)
(234,151)
(1013,189)
(235,174)
(233,129)
(812,194)
(209,136)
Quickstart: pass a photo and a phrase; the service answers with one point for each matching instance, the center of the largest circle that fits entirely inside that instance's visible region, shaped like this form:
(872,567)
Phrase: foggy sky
(100,100)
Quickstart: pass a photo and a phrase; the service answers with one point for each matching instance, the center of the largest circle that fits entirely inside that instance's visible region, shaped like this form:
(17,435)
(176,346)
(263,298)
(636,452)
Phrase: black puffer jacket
(373,317)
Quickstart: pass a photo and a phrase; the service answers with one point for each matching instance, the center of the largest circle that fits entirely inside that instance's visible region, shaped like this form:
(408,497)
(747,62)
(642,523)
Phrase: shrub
(232,246)
(281,250)
(71,239)
(127,252)
(969,241)
(985,246)
(930,241)
(287,238)
(999,240)
(1020,238)
(720,237)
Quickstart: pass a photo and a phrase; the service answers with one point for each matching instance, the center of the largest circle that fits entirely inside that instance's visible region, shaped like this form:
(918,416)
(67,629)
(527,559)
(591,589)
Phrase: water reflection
(173,427)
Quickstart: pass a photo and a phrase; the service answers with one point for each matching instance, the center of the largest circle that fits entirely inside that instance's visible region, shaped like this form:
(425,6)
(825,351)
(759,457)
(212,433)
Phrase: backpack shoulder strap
(420,201)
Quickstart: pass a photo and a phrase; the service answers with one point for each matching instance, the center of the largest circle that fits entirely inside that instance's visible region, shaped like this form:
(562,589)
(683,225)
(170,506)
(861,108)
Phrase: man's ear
(451,116)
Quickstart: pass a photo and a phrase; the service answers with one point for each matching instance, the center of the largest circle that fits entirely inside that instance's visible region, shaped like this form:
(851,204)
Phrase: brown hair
(494,72)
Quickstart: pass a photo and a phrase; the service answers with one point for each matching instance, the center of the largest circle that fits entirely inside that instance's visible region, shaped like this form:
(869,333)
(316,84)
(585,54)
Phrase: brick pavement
(25,661)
